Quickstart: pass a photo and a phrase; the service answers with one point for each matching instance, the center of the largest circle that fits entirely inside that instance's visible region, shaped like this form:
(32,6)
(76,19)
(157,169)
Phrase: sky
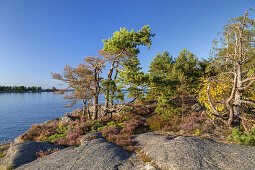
(42,36)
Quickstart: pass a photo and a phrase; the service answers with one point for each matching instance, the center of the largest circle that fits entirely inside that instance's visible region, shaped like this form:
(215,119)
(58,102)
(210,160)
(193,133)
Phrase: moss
(2,155)
(3,149)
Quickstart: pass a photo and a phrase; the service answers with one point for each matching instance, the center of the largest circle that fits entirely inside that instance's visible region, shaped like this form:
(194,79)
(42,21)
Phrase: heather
(43,153)
(66,134)
(118,130)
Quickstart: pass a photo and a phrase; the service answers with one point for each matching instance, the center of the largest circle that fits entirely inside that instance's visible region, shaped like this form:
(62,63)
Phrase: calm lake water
(19,110)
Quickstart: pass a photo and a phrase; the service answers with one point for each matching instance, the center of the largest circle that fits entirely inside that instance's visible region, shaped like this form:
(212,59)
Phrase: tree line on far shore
(22,89)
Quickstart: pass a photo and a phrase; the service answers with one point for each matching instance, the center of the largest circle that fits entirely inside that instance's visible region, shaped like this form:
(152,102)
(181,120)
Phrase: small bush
(2,155)
(37,132)
(109,130)
(60,132)
(121,139)
(131,126)
(43,153)
(243,138)
(144,157)
(192,123)
(158,122)
(120,131)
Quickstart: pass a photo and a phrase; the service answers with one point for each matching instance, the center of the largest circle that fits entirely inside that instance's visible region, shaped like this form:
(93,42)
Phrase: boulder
(21,153)
(195,153)
(94,154)
(66,119)
(87,138)
(76,112)
(51,122)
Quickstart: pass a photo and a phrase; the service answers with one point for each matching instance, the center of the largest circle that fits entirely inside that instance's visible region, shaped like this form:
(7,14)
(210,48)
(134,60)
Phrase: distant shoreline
(36,91)
(24,89)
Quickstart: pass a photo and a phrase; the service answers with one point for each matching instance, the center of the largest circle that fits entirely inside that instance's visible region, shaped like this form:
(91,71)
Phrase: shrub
(96,125)
(243,138)
(116,124)
(37,132)
(109,130)
(43,153)
(158,122)
(60,132)
(120,132)
(2,155)
(124,140)
(192,123)
(144,157)
(131,126)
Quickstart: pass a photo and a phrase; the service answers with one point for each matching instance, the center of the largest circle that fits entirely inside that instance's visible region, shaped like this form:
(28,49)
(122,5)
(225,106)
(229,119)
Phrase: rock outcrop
(93,154)
(21,153)
(195,153)
(165,152)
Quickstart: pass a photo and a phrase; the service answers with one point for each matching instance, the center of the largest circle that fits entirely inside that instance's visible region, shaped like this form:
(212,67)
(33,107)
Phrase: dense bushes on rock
(243,138)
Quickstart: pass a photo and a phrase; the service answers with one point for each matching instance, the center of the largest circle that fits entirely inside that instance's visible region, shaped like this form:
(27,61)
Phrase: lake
(18,111)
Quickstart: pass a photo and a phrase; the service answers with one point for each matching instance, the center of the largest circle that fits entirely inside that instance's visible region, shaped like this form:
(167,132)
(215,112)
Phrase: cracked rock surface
(94,154)
(195,153)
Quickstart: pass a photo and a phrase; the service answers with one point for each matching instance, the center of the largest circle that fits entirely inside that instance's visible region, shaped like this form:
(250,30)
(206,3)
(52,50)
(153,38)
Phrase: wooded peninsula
(24,89)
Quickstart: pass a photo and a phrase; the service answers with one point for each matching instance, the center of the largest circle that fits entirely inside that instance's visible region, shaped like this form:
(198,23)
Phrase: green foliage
(60,133)
(175,77)
(161,64)
(243,138)
(121,50)
(128,40)
(117,124)
(96,126)
(2,155)
(132,78)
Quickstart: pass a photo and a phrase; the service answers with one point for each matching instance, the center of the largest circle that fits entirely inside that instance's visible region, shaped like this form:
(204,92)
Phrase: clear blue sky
(42,36)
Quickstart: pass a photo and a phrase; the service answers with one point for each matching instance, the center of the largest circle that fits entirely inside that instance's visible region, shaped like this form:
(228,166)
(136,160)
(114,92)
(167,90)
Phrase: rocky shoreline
(152,150)
(162,152)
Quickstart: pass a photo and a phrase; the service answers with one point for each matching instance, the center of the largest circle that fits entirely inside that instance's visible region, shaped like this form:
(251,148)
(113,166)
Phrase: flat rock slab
(195,153)
(96,154)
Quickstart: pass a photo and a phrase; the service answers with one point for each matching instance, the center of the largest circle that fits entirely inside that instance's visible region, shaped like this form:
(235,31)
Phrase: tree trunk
(95,114)
(107,93)
(113,91)
(238,95)
(84,107)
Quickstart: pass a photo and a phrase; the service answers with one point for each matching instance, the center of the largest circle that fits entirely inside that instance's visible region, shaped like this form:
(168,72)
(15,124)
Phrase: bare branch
(250,83)
(248,79)
(248,102)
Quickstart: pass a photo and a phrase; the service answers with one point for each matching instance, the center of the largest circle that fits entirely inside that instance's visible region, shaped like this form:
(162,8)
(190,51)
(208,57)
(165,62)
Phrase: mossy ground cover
(3,149)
